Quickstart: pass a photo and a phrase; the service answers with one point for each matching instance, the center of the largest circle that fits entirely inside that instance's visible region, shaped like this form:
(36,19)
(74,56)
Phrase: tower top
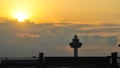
(75,36)
(75,42)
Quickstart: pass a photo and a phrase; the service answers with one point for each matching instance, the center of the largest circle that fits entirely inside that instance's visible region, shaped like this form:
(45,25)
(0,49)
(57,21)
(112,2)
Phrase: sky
(50,26)
(77,11)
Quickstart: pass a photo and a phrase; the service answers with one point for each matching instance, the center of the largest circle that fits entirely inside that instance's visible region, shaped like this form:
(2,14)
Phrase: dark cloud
(99,40)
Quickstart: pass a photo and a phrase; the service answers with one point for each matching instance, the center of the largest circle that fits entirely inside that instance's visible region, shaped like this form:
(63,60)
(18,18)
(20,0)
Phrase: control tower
(75,44)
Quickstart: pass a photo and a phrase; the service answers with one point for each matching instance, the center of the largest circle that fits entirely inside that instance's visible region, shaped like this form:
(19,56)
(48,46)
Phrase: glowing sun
(21,16)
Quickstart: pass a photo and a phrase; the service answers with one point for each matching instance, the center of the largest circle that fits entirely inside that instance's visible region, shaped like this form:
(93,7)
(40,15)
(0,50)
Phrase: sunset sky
(80,11)
(28,27)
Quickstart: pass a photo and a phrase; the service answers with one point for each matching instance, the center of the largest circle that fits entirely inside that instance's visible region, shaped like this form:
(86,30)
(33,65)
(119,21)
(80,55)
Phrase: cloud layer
(29,39)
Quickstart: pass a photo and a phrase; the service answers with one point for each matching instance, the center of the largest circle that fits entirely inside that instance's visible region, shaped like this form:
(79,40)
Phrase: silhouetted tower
(75,44)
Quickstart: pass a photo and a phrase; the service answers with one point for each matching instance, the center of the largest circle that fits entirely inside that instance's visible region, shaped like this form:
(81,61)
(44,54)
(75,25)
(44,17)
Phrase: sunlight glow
(21,16)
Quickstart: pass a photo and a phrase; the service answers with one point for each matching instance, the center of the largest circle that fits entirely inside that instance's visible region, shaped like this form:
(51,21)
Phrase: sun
(21,16)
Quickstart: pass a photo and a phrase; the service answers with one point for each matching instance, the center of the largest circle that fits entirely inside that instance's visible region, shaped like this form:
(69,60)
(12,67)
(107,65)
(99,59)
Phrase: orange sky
(80,11)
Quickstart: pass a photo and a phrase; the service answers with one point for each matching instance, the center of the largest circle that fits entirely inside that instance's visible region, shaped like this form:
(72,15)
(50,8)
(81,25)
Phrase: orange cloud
(65,48)
(23,35)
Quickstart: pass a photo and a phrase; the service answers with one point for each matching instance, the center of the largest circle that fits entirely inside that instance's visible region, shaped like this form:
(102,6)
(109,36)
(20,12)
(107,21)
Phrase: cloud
(23,35)
(65,48)
(53,39)
(97,50)
(99,40)
(110,24)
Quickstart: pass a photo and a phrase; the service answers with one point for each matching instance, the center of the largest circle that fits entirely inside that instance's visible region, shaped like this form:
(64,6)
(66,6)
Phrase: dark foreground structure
(66,62)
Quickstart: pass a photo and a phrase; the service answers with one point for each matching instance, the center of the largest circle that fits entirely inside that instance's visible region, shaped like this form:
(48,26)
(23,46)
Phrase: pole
(41,60)
(75,52)
(114,60)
